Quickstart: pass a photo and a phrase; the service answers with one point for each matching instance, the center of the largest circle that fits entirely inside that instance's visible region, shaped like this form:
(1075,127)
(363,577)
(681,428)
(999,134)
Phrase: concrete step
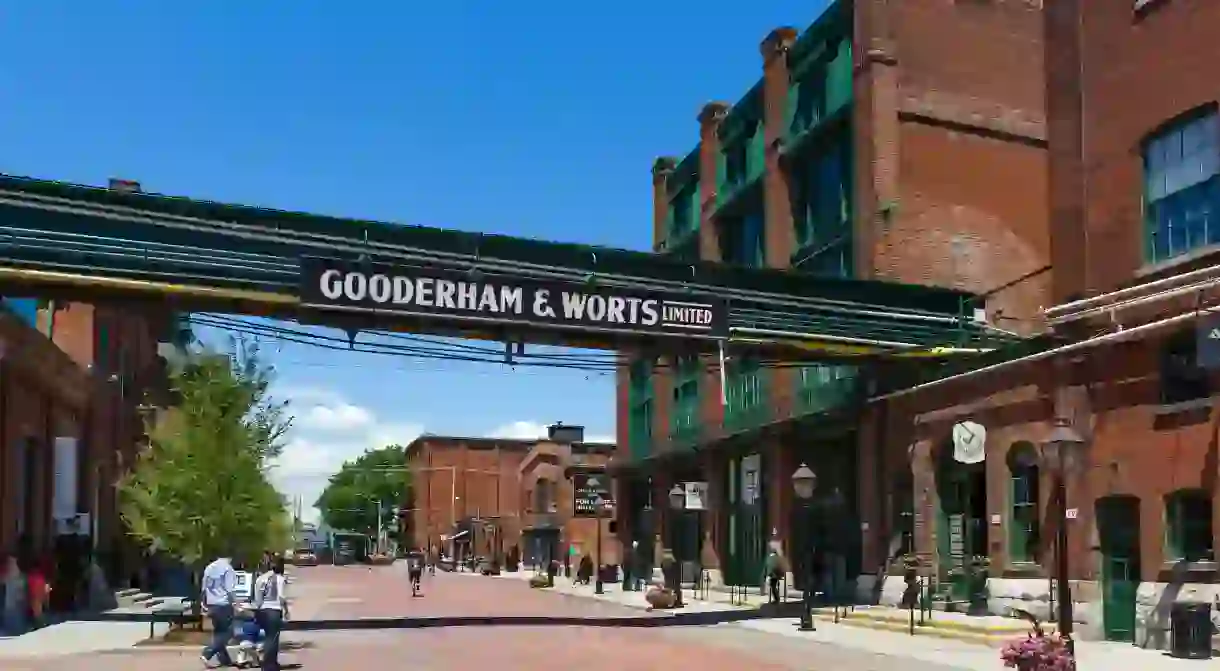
(984,630)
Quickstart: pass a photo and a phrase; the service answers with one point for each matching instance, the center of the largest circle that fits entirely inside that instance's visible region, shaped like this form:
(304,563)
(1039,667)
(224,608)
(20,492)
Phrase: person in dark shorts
(415,568)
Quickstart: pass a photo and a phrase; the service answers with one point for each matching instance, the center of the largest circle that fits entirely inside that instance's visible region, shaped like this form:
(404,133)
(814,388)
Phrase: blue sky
(534,119)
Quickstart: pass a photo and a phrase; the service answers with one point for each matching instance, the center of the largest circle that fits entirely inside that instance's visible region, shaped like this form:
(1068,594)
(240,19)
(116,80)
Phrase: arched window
(1023,537)
(1188,526)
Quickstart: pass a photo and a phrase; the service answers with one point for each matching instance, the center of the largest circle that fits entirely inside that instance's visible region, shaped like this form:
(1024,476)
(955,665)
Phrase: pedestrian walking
(271,609)
(219,583)
(13,617)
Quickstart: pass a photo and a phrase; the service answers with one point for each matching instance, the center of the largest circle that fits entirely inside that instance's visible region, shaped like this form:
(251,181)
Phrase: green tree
(351,497)
(200,488)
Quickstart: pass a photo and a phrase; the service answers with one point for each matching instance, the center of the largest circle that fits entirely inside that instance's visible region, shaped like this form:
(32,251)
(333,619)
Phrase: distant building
(486,495)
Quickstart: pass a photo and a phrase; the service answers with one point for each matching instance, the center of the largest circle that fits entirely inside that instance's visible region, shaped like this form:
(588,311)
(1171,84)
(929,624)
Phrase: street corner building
(991,147)
(77,380)
(481,497)
(900,143)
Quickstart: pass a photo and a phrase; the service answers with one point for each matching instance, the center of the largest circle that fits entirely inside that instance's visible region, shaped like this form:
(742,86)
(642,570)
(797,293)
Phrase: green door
(747,521)
(1118,531)
(1119,583)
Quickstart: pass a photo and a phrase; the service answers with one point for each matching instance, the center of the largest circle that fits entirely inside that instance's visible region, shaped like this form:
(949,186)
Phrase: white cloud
(527,430)
(328,430)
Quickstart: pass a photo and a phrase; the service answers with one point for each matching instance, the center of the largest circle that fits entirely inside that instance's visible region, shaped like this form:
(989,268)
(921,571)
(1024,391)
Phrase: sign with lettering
(590,494)
(460,296)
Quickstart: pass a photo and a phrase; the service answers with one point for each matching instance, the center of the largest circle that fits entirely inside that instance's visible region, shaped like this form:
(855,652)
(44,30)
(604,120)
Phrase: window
(1023,538)
(684,417)
(1181,188)
(742,241)
(821,209)
(684,209)
(544,496)
(744,392)
(1188,526)
(641,408)
(1182,379)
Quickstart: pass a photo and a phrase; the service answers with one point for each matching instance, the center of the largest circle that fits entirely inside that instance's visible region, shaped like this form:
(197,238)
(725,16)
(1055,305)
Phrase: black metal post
(807,588)
(1064,591)
(598,587)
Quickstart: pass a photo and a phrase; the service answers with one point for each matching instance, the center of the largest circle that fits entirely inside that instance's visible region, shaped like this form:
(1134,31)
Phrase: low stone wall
(1153,601)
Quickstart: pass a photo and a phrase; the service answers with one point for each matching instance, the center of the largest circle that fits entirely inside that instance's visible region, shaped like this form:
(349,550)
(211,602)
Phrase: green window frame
(641,408)
(1188,526)
(821,387)
(684,210)
(822,209)
(684,415)
(1024,491)
(745,393)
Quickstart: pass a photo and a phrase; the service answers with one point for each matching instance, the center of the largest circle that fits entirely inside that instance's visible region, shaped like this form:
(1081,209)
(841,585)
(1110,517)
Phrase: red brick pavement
(329,592)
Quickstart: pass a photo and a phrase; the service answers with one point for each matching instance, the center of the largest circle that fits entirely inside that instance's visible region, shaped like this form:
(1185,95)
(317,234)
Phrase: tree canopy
(352,495)
(199,489)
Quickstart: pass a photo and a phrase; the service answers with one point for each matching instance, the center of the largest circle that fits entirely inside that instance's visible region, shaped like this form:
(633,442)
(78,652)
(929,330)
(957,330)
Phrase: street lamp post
(677,503)
(804,480)
(1062,447)
(601,507)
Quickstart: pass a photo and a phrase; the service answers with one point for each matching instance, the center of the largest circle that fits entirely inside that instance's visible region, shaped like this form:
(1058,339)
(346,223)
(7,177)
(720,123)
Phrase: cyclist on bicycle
(415,568)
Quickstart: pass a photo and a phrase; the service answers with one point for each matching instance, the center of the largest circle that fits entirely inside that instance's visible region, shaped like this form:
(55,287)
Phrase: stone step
(981,626)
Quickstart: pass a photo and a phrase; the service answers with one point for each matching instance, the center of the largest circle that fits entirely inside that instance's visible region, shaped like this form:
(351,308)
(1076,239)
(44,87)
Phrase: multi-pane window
(742,241)
(1023,540)
(1188,526)
(822,211)
(684,417)
(1181,190)
(641,407)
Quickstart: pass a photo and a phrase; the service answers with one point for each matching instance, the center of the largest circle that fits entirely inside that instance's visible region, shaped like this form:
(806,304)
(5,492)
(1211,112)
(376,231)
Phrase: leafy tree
(200,489)
(351,497)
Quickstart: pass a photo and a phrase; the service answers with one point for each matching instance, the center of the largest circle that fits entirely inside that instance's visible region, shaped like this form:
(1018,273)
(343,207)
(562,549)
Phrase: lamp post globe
(804,480)
(677,498)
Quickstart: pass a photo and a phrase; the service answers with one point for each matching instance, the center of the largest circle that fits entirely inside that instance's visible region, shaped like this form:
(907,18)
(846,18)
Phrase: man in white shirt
(271,609)
(219,581)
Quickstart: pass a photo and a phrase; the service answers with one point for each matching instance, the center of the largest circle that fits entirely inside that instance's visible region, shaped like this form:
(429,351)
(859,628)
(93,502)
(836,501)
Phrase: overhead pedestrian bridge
(89,243)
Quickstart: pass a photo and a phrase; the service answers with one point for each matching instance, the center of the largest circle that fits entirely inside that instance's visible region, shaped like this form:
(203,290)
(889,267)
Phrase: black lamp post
(677,503)
(804,480)
(600,508)
(1061,449)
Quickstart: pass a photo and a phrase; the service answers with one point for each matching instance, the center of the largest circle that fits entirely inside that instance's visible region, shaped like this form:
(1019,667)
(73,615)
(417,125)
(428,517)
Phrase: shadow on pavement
(678,619)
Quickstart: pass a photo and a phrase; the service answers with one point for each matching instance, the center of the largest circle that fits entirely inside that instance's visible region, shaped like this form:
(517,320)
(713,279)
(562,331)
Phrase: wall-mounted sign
(696,495)
(459,296)
(590,494)
(969,441)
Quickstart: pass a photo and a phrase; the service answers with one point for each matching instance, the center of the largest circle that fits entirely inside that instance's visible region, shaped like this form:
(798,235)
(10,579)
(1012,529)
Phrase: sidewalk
(75,637)
(1090,654)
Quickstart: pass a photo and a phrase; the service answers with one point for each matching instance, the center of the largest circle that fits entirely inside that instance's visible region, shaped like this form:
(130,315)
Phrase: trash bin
(1191,626)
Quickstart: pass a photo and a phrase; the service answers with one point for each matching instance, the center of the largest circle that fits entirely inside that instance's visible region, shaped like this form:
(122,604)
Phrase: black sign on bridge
(502,299)
(589,491)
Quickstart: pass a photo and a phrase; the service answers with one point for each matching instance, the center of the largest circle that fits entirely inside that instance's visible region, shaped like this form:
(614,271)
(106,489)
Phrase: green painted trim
(835,21)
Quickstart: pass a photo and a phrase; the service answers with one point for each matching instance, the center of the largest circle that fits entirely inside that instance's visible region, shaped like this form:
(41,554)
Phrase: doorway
(1118,534)
(961,520)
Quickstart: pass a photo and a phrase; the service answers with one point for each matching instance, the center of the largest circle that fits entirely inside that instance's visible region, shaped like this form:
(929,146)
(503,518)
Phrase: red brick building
(1133,194)
(484,495)
(899,141)
(74,374)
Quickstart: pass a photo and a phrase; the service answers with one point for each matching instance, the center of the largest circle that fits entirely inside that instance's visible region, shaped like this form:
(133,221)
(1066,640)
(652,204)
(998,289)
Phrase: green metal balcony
(747,405)
(822,388)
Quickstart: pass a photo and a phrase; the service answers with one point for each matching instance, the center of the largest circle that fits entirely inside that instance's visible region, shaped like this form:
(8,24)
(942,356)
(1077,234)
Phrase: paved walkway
(1090,654)
(70,638)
